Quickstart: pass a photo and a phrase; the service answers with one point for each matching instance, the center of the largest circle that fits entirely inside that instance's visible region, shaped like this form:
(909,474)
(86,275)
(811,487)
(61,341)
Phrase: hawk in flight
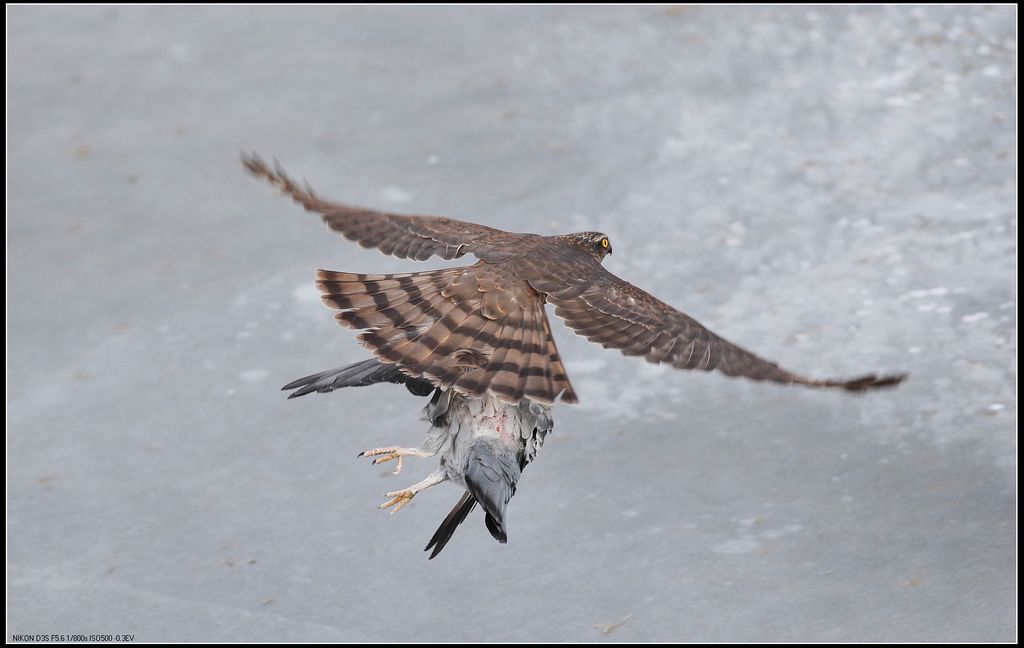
(476,339)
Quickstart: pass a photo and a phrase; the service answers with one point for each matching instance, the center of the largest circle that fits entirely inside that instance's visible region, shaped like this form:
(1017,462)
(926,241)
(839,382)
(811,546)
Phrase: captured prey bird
(477,341)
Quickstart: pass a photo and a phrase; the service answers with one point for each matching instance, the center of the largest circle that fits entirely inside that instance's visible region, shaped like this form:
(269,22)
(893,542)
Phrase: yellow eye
(605,244)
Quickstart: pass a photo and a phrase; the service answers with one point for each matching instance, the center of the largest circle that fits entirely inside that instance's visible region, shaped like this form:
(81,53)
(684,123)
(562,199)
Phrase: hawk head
(595,243)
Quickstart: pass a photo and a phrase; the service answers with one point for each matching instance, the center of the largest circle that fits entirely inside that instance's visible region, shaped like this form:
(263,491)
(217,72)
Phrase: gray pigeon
(484,443)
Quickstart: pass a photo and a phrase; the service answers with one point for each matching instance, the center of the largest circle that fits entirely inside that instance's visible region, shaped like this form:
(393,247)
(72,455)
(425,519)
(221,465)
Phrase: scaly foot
(391,453)
(398,499)
(402,497)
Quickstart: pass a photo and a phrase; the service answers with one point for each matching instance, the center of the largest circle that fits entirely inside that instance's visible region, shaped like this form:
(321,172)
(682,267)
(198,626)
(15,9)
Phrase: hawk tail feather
(472,329)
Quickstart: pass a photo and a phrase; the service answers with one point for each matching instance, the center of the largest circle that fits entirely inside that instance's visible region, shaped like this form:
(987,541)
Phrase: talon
(393,453)
(390,457)
(398,500)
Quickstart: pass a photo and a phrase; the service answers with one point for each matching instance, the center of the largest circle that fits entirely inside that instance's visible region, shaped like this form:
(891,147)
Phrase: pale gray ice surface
(831,187)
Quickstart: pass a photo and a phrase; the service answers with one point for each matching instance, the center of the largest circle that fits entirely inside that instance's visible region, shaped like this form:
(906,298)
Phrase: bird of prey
(476,339)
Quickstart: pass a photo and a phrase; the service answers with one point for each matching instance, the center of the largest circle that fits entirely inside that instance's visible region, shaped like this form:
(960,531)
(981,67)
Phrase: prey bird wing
(406,237)
(616,314)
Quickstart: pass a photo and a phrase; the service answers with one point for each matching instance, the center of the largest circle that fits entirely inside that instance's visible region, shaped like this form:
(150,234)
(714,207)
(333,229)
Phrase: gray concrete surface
(832,187)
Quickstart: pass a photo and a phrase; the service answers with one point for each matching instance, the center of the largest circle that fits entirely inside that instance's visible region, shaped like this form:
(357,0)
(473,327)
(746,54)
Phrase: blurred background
(831,187)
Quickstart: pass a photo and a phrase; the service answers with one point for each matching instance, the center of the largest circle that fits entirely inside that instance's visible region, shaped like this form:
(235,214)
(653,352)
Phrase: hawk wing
(616,314)
(406,237)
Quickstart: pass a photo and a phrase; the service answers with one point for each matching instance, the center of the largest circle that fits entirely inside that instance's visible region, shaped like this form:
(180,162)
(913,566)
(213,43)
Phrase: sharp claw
(394,453)
(384,455)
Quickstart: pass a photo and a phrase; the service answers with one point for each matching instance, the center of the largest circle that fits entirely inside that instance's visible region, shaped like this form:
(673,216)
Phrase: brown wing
(616,314)
(406,237)
(472,329)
